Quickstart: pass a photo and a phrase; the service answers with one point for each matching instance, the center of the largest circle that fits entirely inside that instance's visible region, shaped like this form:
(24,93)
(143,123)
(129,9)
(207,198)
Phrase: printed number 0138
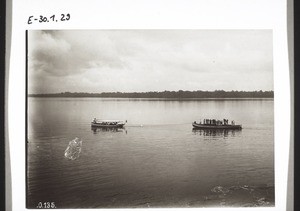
(46,205)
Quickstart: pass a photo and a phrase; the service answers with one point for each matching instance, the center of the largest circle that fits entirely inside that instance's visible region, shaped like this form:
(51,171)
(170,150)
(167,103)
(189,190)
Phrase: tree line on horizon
(165,94)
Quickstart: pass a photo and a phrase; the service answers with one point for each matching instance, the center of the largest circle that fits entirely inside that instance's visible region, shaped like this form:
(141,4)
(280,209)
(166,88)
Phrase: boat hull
(230,127)
(106,126)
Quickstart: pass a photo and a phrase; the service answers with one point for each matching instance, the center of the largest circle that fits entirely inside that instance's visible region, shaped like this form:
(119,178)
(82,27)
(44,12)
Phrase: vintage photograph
(150,118)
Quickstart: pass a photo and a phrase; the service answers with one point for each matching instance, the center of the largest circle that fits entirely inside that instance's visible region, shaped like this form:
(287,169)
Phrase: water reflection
(97,130)
(116,170)
(216,132)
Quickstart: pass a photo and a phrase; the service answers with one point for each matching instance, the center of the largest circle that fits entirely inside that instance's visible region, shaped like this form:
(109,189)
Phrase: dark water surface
(157,160)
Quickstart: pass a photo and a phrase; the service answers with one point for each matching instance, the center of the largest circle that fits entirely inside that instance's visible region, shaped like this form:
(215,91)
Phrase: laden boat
(216,124)
(108,123)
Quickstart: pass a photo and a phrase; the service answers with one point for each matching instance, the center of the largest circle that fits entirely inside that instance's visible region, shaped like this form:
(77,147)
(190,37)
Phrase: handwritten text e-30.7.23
(45,19)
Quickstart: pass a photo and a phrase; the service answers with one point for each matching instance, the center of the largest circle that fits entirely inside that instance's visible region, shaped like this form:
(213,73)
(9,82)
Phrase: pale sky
(149,60)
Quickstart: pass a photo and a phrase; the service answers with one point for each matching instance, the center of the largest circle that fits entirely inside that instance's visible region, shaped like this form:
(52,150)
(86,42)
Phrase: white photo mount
(118,14)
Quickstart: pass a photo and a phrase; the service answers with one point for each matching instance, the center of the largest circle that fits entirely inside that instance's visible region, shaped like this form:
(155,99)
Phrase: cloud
(149,60)
(55,54)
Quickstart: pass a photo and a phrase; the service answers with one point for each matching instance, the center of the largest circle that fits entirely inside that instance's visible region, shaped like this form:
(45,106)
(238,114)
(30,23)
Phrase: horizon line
(69,92)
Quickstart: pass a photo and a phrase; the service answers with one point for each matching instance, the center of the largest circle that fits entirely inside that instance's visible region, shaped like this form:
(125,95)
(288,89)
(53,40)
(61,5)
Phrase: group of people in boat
(104,122)
(216,122)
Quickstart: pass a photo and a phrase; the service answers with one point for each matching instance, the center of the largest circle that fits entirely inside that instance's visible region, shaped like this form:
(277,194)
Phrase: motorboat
(108,123)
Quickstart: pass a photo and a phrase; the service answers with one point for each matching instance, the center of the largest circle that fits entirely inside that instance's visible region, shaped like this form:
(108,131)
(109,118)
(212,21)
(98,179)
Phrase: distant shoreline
(166,95)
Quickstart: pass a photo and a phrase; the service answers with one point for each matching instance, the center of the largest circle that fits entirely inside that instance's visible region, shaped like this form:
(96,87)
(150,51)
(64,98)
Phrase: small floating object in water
(74,148)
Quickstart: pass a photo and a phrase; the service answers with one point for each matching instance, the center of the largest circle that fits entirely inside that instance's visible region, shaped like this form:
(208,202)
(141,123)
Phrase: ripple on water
(241,195)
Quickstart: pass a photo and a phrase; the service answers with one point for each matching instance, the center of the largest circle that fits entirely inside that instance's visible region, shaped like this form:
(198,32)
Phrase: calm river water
(156,161)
